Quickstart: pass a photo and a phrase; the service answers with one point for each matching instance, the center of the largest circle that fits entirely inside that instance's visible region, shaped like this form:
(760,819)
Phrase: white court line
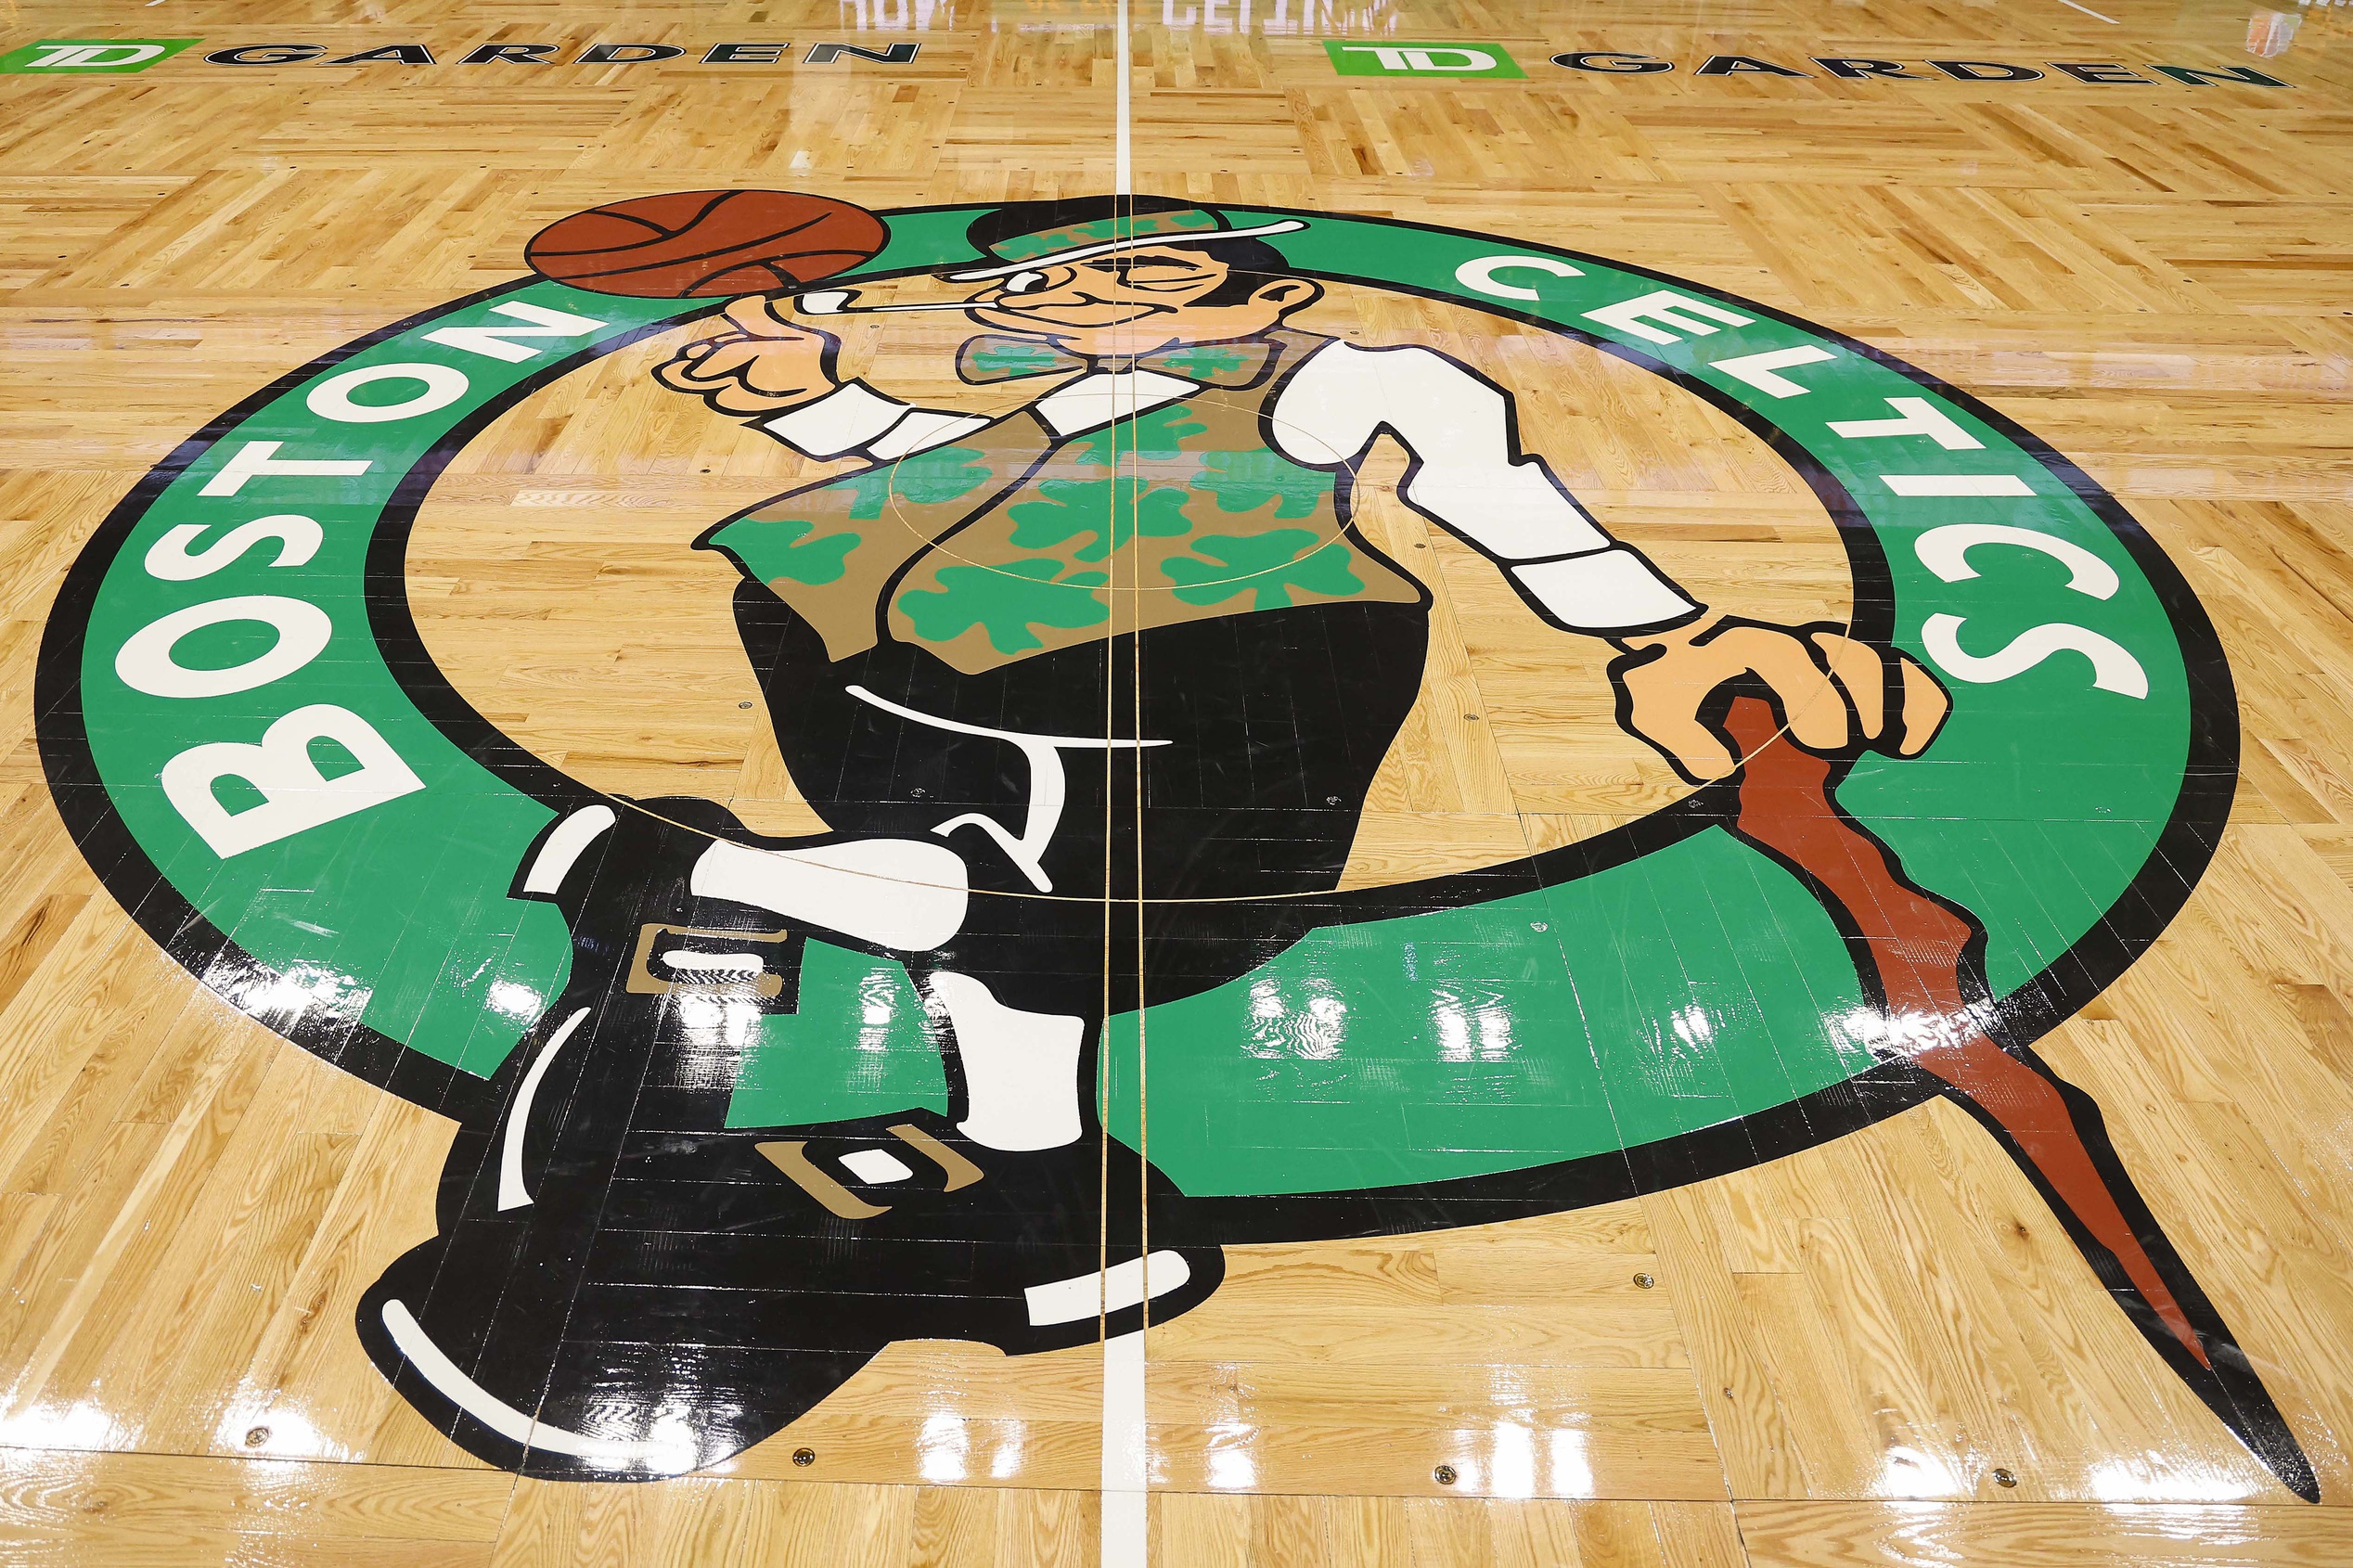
(1126,1522)
(2089,12)
(1124,1515)
(1122,174)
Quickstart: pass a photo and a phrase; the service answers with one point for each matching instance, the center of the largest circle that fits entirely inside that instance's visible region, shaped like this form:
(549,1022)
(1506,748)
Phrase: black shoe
(932,1235)
(731,1280)
(623,1287)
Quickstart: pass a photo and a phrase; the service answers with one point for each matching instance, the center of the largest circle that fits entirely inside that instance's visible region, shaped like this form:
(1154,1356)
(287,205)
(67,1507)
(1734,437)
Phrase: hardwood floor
(1876,1348)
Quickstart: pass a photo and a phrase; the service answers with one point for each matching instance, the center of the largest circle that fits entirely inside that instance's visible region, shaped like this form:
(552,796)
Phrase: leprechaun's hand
(1837,695)
(763,364)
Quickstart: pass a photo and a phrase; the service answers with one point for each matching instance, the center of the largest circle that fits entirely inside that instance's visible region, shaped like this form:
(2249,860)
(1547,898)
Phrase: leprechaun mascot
(1090,694)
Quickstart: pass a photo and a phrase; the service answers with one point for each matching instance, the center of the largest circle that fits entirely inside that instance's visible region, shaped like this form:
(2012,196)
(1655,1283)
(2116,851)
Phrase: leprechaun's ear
(1288,294)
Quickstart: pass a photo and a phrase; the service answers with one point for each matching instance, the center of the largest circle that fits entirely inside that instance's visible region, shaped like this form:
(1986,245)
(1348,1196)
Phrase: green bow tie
(998,357)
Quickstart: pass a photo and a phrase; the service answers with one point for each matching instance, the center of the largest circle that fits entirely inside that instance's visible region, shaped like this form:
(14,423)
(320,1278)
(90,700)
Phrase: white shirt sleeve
(854,418)
(1470,477)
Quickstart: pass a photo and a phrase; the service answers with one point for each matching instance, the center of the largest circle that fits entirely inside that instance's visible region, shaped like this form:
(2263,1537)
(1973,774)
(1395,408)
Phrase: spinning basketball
(699,243)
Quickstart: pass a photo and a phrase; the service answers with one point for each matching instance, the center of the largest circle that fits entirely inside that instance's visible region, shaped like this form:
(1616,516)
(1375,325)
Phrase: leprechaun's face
(1135,301)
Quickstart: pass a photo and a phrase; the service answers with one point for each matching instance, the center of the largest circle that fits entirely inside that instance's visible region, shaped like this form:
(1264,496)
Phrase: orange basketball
(692,243)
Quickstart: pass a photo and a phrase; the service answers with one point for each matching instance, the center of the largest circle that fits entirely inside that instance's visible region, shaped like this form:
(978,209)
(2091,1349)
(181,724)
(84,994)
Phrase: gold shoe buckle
(766,986)
(790,1156)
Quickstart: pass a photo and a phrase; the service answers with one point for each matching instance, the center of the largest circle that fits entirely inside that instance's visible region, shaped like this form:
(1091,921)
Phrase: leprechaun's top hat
(1030,233)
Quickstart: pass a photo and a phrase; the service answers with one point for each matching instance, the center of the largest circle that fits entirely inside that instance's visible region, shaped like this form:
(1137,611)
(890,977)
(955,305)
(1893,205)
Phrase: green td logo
(93,56)
(1491,60)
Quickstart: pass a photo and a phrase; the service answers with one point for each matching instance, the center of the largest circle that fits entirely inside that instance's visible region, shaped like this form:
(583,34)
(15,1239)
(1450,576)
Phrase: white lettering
(168,558)
(1957,484)
(1945,552)
(1667,308)
(1758,369)
(258,459)
(145,662)
(2112,668)
(295,796)
(68,56)
(1394,59)
(1480,274)
(1465,60)
(1920,418)
(498,343)
(331,399)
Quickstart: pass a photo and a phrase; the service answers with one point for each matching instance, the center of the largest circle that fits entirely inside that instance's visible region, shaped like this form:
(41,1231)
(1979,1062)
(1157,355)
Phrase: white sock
(1020,1069)
(898,893)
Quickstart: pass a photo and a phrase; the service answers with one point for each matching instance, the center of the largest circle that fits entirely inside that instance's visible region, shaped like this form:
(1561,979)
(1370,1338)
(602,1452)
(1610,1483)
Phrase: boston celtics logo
(1088,625)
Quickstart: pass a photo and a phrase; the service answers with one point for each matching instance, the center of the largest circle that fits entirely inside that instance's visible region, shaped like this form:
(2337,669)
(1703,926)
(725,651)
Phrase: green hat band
(1070,237)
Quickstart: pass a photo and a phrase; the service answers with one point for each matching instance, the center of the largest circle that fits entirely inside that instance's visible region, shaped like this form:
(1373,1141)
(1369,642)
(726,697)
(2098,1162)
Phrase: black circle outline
(2139,914)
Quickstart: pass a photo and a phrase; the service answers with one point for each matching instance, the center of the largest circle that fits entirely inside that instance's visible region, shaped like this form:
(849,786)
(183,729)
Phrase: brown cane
(1917,946)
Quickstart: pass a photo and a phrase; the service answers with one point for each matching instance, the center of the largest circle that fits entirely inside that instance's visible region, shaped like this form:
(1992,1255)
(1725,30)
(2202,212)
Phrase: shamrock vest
(1012,542)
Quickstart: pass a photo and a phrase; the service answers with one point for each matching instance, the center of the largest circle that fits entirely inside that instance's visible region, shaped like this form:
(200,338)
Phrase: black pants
(1276,723)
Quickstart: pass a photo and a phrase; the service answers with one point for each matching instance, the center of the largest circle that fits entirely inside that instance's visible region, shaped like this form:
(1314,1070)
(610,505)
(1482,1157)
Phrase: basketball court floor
(1180,782)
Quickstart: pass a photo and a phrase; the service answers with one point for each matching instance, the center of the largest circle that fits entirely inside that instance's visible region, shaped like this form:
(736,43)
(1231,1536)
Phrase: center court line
(1122,174)
(1125,1519)
(1126,1533)
(2089,12)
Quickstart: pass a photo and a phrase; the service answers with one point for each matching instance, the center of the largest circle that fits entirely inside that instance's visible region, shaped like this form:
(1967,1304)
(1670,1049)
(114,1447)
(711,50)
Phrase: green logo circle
(243,730)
